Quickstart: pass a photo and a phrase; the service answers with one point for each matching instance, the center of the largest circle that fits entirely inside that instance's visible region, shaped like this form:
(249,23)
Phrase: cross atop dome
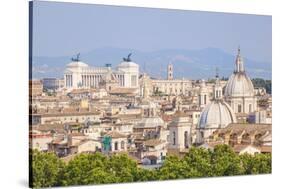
(239,65)
(217,72)
(238,49)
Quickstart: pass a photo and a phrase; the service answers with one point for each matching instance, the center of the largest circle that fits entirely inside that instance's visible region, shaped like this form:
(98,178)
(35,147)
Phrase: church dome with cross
(239,84)
(239,90)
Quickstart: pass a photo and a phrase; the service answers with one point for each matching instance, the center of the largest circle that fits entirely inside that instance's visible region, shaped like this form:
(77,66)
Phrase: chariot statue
(128,59)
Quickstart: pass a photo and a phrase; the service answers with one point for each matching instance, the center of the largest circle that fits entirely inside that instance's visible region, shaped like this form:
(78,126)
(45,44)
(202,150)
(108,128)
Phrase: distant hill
(193,64)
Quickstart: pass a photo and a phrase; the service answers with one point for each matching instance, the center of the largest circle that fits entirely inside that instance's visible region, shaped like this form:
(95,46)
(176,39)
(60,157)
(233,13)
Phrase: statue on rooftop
(128,59)
(76,59)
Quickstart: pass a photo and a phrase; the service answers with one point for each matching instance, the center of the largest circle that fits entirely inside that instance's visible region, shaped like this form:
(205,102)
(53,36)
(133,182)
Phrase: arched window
(174,138)
(233,139)
(116,146)
(257,139)
(186,139)
(221,136)
(202,134)
(205,99)
(239,108)
(122,145)
(250,107)
(246,139)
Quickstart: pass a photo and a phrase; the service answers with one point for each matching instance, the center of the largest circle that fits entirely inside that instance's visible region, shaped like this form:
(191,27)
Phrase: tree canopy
(48,170)
(259,82)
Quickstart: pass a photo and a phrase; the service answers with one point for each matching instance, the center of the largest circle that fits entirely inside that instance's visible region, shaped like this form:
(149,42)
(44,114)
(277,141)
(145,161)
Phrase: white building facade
(80,75)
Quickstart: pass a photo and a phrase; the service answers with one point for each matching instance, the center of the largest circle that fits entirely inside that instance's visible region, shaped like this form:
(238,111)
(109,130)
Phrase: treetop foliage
(46,169)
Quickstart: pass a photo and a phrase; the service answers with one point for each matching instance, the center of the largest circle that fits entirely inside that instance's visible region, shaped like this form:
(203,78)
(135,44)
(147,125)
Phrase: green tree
(199,162)
(173,168)
(256,164)
(87,169)
(259,82)
(44,169)
(146,174)
(225,162)
(48,170)
(123,168)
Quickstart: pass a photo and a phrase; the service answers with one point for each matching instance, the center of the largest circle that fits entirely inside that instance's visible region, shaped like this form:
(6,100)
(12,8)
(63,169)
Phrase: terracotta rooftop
(239,148)
(249,128)
(153,142)
(49,127)
(266,149)
(122,91)
(65,112)
(115,134)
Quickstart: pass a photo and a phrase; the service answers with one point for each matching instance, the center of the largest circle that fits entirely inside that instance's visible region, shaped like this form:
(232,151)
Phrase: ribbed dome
(217,114)
(239,84)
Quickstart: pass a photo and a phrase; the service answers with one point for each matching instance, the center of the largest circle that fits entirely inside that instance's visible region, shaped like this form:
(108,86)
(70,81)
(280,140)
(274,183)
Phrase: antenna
(217,72)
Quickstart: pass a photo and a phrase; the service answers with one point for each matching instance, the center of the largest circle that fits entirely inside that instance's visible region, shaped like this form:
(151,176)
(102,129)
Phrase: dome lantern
(239,64)
(217,89)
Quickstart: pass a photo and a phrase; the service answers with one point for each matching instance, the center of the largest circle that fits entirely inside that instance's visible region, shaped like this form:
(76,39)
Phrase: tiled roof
(266,149)
(248,128)
(49,127)
(115,134)
(122,91)
(153,142)
(239,148)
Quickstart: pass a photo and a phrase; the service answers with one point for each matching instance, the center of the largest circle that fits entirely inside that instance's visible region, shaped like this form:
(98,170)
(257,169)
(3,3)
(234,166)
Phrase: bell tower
(217,89)
(170,71)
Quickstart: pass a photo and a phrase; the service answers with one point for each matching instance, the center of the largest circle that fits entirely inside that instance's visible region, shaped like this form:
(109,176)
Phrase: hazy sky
(61,29)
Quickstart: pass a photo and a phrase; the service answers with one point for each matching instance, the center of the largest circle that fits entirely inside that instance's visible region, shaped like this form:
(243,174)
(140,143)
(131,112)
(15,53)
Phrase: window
(134,80)
(122,145)
(250,107)
(116,146)
(186,139)
(174,138)
(239,108)
(205,99)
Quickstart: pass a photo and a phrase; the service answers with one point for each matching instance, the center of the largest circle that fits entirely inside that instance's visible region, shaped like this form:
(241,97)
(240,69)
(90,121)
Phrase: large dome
(217,114)
(239,84)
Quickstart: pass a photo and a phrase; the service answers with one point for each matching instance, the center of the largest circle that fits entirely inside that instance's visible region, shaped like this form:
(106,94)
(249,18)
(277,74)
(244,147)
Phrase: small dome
(217,114)
(76,64)
(239,84)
